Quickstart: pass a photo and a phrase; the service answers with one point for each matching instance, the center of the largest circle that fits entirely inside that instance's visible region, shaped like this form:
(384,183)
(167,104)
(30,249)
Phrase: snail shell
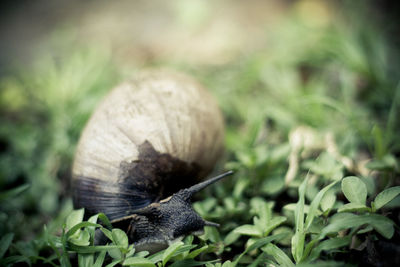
(149,138)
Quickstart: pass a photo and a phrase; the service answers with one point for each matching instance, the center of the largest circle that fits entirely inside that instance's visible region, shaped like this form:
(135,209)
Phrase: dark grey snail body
(143,153)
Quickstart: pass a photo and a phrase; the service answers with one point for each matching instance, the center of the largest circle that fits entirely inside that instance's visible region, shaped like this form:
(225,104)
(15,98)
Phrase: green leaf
(92,229)
(74,231)
(90,249)
(249,230)
(156,257)
(120,238)
(139,262)
(131,251)
(100,259)
(114,262)
(182,250)
(353,207)
(196,252)
(107,233)
(227,264)
(308,248)
(115,253)
(340,221)
(387,163)
(386,196)
(259,243)
(272,224)
(262,209)
(314,205)
(382,225)
(328,200)
(14,259)
(5,243)
(85,260)
(380,141)
(82,239)
(204,207)
(280,256)
(354,189)
(327,166)
(142,254)
(191,262)
(273,185)
(299,236)
(169,252)
(231,237)
(329,244)
(75,217)
(211,233)
(105,220)
(13,192)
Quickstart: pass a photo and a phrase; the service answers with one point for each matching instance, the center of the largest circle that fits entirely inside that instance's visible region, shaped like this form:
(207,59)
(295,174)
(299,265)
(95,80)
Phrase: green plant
(312,135)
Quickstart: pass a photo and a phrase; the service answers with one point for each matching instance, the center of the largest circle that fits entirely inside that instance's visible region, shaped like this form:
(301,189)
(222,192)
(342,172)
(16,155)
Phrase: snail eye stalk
(187,193)
(212,224)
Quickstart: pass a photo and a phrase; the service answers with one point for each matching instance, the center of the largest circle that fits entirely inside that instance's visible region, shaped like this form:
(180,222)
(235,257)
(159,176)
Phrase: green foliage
(311,134)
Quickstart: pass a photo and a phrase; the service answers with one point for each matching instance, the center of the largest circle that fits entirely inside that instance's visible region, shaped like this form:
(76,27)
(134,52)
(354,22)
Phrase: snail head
(155,226)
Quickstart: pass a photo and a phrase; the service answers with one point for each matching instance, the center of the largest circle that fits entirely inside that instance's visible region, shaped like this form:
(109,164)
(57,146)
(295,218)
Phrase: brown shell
(149,138)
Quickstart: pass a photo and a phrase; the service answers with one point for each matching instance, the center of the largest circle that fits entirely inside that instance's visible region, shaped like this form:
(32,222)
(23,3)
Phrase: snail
(144,153)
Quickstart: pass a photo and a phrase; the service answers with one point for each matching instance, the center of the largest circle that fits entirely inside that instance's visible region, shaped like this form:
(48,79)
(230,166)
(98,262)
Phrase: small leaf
(90,249)
(211,233)
(249,230)
(280,256)
(113,263)
(227,264)
(386,196)
(5,243)
(308,248)
(196,252)
(131,251)
(387,163)
(341,221)
(100,259)
(105,220)
(120,238)
(13,192)
(107,233)
(328,200)
(314,205)
(259,243)
(382,225)
(273,185)
(191,262)
(85,260)
(354,189)
(231,237)
(170,251)
(75,230)
(142,254)
(115,253)
(299,236)
(92,229)
(275,222)
(82,239)
(183,249)
(139,262)
(329,244)
(75,217)
(204,207)
(353,207)
(156,257)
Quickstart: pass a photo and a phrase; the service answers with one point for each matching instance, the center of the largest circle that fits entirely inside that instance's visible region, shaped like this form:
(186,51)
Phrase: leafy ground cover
(312,135)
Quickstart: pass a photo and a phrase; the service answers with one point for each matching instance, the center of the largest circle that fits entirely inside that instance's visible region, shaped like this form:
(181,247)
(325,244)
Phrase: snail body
(143,154)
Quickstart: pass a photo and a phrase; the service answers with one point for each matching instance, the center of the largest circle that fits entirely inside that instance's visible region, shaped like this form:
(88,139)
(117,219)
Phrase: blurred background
(273,66)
